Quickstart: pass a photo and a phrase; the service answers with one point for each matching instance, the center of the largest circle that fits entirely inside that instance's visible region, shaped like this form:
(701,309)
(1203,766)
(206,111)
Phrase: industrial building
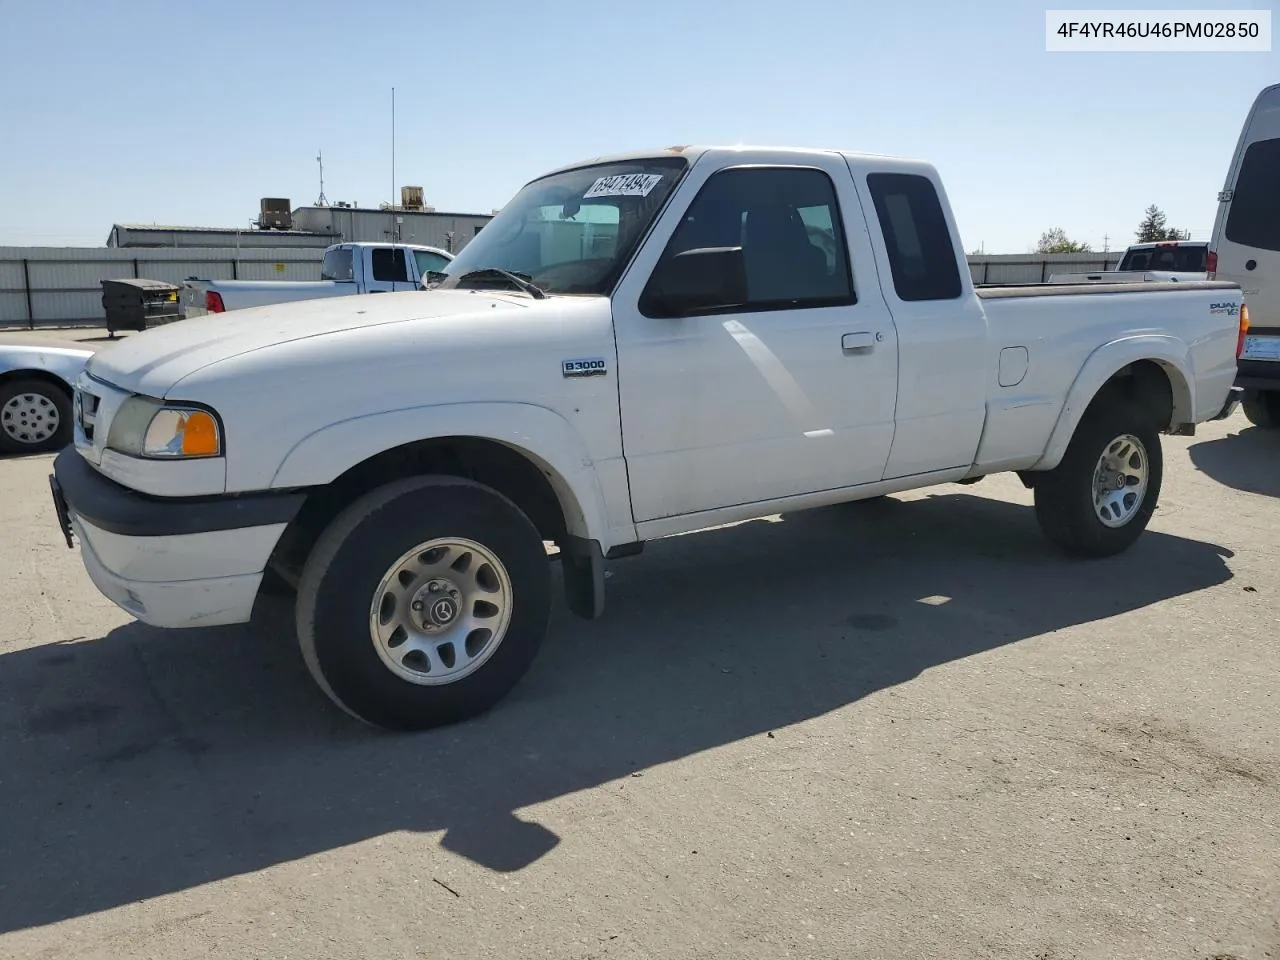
(151,235)
(448,231)
(317,226)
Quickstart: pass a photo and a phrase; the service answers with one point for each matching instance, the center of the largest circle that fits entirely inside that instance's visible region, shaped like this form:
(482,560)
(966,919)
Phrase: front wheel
(424,603)
(1099,499)
(35,417)
(1262,408)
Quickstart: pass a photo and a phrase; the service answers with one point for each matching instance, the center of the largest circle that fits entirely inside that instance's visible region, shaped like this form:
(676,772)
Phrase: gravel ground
(904,728)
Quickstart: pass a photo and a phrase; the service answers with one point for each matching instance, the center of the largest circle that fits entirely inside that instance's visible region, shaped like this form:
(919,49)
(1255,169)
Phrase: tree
(1056,240)
(1155,227)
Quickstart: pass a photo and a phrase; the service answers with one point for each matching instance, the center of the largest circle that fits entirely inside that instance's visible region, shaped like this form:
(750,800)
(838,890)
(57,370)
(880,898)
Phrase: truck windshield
(1179,259)
(570,232)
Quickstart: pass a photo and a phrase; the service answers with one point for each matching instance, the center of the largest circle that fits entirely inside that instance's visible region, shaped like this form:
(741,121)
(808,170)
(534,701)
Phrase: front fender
(62,363)
(540,434)
(1105,362)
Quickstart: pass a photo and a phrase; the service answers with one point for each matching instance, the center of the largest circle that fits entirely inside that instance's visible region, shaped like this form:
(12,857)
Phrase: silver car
(36,375)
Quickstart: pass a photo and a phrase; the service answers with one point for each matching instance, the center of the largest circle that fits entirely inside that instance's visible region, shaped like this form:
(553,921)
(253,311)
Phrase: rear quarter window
(921,255)
(338,265)
(1254,220)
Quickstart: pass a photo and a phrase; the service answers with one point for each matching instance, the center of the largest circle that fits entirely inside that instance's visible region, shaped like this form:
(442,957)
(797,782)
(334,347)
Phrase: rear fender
(1169,353)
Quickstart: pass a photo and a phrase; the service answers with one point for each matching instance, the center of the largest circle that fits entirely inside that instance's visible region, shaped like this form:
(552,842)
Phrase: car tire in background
(1099,499)
(1262,408)
(35,416)
(424,602)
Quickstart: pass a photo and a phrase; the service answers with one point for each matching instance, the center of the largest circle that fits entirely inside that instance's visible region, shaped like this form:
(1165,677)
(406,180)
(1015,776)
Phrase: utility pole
(1106,241)
(393,146)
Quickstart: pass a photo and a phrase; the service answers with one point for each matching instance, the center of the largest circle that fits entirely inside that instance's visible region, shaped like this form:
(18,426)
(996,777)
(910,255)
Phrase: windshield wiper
(521,281)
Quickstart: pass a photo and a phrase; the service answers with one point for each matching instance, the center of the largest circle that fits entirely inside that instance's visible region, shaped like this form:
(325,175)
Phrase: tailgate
(192,299)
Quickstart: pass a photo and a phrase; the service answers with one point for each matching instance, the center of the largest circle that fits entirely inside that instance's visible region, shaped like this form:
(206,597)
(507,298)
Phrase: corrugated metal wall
(43,286)
(47,286)
(1014,268)
(131,236)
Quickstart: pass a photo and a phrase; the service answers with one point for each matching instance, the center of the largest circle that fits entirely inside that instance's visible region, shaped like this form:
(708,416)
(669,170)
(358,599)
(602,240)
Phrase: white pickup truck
(1170,261)
(347,269)
(635,347)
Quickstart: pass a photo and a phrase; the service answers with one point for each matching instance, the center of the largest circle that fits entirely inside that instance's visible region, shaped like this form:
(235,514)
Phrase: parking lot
(903,728)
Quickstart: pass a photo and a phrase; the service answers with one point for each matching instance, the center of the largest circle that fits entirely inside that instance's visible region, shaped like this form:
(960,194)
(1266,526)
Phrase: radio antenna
(393,148)
(321,202)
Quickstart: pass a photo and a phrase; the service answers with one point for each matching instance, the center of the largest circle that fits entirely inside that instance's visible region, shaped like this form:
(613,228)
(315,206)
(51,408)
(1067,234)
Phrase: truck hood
(153,361)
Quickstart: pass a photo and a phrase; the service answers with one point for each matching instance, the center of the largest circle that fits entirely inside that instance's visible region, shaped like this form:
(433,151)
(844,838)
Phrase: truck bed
(1056,331)
(238,294)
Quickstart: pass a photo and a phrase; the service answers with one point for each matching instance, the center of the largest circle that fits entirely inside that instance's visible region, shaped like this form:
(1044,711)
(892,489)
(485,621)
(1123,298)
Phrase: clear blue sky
(187,111)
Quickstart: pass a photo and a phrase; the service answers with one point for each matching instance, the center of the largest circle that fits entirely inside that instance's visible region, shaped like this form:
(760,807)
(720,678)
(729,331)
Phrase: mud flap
(583,568)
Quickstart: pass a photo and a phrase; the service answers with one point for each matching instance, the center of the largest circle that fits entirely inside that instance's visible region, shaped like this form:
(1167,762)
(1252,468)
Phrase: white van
(1246,250)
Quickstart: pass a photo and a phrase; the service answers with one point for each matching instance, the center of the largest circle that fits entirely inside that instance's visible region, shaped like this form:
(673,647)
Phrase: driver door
(789,393)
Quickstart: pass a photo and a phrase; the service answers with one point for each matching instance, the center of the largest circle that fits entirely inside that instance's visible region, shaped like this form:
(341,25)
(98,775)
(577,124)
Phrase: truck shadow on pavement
(148,762)
(1246,461)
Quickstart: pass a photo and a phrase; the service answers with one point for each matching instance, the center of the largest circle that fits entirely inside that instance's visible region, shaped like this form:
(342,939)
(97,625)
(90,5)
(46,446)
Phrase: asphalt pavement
(904,728)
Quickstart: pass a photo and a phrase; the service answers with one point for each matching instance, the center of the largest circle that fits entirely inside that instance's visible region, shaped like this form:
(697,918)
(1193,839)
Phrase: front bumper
(170,562)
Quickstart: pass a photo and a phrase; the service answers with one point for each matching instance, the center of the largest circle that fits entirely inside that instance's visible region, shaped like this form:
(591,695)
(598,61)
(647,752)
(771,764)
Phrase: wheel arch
(35,373)
(536,461)
(1153,371)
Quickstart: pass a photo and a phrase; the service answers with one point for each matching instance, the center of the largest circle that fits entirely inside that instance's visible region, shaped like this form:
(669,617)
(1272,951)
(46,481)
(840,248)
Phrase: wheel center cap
(437,604)
(442,612)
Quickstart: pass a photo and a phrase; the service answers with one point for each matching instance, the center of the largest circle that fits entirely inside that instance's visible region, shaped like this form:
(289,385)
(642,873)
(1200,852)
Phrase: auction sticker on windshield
(624,185)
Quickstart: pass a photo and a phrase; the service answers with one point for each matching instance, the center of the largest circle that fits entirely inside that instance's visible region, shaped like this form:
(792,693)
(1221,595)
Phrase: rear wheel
(1262,407)
(424,603)
(1099,499)
(35,417)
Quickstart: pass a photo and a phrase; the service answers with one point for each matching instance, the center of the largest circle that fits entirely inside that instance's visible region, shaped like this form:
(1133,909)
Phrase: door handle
(860,341)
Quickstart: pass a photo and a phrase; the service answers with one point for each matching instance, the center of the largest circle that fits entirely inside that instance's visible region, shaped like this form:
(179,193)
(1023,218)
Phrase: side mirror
(697,281)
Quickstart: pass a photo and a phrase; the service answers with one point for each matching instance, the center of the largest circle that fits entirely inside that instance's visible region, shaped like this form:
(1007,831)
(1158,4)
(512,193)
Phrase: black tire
(1262,407)
(1064,496)
(342,575)
(50,400)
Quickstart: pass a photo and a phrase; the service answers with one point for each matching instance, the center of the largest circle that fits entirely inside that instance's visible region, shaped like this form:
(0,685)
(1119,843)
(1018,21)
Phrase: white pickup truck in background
(1166,261)
(634,347)
(347,269)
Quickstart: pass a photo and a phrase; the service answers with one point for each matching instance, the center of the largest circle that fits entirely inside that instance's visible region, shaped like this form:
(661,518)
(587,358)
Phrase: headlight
(143,427)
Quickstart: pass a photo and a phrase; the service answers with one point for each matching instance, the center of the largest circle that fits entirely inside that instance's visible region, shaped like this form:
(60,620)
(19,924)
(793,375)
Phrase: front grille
(87,412)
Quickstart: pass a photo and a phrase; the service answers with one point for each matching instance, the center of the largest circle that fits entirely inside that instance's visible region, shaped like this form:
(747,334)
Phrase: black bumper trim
(1234,396)
(109,506)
